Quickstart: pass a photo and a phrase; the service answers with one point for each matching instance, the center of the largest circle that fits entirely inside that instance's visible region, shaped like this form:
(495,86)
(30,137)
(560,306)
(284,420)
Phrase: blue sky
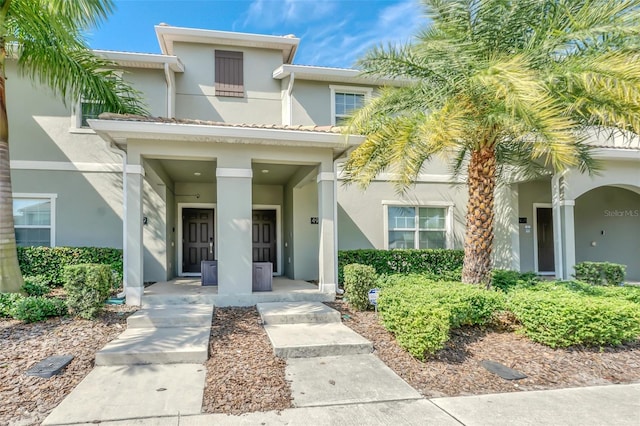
(333,33)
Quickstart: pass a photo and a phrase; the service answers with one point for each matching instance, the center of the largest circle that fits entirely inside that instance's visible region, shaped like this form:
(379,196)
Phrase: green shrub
(629,293)
(560,317)
(33,309)
(600,273)
(421,312)
(7,302)
(36,286)
(87,287)
(507,280)
(50,261)
(358,280)
(389,262)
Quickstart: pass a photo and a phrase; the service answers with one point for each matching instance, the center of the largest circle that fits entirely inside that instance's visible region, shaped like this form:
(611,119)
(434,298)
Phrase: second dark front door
(546,260)
(264,237)
(197,239)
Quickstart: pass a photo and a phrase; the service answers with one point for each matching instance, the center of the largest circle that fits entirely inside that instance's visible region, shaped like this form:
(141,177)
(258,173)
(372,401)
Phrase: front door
(197,239)
(264,237)
(544,234)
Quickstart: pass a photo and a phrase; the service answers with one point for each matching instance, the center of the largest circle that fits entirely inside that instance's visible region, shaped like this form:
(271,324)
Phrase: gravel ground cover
(27,400)
(456,370)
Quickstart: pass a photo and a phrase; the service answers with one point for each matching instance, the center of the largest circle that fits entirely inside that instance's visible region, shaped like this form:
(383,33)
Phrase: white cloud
(340,43)
(270,14)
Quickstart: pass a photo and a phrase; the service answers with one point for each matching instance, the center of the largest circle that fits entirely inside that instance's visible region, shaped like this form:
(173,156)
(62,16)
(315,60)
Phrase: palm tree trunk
(479,233)
(10,276)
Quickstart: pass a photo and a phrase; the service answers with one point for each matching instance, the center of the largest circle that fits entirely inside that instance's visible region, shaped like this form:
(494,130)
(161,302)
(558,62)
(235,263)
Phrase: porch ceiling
(185,171)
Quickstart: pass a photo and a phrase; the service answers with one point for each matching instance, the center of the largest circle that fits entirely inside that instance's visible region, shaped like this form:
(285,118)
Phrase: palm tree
(45,37)
(495,86)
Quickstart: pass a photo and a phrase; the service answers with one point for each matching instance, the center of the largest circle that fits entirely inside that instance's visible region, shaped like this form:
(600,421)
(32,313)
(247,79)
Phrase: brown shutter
(229,73)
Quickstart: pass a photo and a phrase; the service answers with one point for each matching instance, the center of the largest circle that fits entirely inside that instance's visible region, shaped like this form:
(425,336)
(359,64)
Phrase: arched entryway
(607,227)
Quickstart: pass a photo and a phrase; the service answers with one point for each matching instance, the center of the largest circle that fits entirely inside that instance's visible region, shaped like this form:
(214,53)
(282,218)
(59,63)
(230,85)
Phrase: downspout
(170,89)
(292,79)
(122,153)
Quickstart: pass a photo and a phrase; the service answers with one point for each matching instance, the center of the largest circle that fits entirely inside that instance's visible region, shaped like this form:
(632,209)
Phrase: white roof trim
(167,35)
(119,131)
(337,75)
(136,60)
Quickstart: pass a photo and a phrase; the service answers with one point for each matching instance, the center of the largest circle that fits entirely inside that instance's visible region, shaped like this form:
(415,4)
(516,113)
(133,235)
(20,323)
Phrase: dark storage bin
(262,276)
(209,270)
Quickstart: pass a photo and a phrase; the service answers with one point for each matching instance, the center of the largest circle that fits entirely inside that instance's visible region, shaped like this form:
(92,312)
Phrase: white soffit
(141,60)
(336,75)
(167,35)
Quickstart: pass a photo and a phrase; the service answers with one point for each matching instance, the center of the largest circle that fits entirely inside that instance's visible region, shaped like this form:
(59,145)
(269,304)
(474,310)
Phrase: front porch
(190,291)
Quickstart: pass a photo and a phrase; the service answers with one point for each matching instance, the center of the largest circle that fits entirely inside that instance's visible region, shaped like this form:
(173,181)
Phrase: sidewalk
(600,405)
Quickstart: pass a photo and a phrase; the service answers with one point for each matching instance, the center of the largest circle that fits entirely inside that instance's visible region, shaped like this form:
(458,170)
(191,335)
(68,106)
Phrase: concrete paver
(344,379)
(172,316)
(126,392)
(297,312)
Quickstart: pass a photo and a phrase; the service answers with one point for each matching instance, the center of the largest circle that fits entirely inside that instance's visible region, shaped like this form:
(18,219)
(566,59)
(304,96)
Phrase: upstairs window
(33,217)
(417,227)
(345,100)
(90,110)
(229,73)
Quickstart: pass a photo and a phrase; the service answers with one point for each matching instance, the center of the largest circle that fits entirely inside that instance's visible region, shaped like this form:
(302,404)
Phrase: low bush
(421,312)
(600,273)
(444,264)
(562,317)
(33,309)
(507,280)
(87,288)
(629,293)
(50,261)
(7,302)
(358,280)
(36,286)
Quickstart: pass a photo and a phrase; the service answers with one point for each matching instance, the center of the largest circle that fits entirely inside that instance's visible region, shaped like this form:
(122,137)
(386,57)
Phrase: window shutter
(229,73)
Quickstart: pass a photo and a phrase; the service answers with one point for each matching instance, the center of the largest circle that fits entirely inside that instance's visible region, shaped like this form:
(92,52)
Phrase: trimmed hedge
(50,261)
(358,280)
(560,317)
(600,273)
(33,309)
(421,312)
(87,287)
(443,263)
(36,286)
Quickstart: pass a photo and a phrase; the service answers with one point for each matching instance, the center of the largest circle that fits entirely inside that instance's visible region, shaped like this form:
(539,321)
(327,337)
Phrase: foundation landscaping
(435,332)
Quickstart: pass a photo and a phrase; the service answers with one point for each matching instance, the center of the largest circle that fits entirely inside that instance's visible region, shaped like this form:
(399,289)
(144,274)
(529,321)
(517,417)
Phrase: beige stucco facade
(129,183)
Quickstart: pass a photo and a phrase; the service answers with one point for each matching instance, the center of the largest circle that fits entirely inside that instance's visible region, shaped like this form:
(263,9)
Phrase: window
(346,99)
(229,73)
(34,218)
(412,227)
(90,110)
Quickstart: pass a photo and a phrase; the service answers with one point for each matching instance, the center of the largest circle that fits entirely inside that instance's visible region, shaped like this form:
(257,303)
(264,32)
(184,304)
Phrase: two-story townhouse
(243,170)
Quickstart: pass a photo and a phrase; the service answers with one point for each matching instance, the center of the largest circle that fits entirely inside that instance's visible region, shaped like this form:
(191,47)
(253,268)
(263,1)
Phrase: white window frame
(417,205)
(52,200)
(350,90)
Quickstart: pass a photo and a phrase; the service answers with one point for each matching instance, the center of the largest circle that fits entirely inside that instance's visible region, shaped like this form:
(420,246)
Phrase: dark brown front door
(197,238)
(546,259)
(264,237)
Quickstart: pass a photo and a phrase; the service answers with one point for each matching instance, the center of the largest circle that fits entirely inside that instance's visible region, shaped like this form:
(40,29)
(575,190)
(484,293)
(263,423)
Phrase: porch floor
(190,291)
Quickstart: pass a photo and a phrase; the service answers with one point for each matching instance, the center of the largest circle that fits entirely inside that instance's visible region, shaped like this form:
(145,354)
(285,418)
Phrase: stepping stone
(312,340)
(50,366)
(502,370)
(172,316)
(297,312)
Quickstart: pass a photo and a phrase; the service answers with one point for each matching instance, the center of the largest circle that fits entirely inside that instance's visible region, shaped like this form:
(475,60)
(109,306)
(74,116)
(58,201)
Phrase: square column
(568,238)
(327,250)
(133,246)
(235,256)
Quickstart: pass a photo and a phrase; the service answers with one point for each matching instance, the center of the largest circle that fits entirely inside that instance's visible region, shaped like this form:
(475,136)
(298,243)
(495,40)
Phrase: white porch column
(568,238)
(235,261)
(558,246)
(133,246)
(327,250)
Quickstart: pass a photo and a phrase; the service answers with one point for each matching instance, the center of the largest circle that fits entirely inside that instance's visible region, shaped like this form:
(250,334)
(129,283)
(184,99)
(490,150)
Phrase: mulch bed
(243,374)
(27,400)
(456,369)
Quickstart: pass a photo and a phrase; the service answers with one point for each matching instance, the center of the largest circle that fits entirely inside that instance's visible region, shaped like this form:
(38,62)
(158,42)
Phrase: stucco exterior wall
(607,221)
(528,194)
(195,88)
(153,85)
(305,234)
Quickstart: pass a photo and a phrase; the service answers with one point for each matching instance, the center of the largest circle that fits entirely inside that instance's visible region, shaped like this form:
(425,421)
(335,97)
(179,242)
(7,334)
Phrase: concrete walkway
(335,380)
